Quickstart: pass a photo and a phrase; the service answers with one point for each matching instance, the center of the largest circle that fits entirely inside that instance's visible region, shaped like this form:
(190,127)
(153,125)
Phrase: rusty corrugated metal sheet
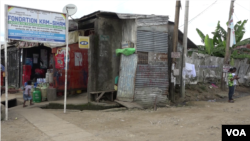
(148,41)
(126,82)
(152,76)
(157,58)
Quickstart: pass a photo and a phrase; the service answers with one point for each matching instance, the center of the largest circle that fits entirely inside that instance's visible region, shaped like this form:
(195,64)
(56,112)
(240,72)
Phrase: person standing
(231,84)
(27,94)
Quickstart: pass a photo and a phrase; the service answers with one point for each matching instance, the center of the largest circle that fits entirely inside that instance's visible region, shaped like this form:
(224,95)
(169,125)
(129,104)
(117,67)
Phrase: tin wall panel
(148,41)
(157,58)
(126,80)
(152,76)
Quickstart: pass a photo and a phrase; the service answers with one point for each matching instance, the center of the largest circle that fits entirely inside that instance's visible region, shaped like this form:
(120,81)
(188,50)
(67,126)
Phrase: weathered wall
(152,83)
(104,62)
(129,31)
(211,67)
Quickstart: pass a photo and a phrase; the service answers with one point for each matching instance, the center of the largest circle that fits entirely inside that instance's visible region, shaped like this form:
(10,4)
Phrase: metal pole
(66,65)
(184,52)
(6,65)
(227,55)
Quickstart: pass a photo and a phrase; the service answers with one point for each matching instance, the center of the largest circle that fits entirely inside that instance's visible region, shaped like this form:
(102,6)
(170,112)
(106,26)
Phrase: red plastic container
(26,78)
(27,70)
(77,70)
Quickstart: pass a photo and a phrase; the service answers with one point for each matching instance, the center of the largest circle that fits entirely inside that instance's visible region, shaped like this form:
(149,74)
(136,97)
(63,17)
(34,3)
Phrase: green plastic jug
(37,96)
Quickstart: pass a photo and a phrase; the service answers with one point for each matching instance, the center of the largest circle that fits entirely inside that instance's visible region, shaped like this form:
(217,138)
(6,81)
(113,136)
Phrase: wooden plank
(98,98)
(129,105)
(102,91)
(112,97)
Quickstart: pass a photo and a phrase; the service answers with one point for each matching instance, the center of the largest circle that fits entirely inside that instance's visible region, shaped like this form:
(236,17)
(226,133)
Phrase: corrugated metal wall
(152,76)
(152,41)
(152,67)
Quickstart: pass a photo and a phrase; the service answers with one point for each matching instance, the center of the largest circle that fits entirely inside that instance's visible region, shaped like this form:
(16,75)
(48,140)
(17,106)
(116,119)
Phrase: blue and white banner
(35,25)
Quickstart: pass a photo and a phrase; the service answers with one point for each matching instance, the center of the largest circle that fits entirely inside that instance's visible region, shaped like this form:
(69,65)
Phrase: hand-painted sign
(175,55)
(84,42)
(226,68)
(35,25)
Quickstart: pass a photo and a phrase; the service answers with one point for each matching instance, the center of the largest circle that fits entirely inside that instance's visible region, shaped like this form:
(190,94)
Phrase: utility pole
(227,55)
(184,51)
(175,43)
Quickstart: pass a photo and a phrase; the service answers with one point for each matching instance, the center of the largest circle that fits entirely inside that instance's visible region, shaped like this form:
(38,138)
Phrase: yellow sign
(84,42)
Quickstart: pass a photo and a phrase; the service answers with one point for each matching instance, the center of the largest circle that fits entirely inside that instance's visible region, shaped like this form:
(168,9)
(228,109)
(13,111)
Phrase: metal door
(13,67)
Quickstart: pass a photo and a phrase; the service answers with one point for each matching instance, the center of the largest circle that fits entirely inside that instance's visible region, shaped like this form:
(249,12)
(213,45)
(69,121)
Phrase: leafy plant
(216,46)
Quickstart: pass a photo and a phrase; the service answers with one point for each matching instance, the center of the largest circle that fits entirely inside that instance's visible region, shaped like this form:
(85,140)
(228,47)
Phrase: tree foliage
(216,46)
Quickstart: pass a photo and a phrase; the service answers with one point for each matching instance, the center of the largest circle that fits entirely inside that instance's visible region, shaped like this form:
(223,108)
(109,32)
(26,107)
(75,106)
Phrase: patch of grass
(204,88)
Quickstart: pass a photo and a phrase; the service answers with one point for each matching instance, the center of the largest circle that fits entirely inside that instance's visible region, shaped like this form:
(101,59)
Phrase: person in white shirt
(27,94)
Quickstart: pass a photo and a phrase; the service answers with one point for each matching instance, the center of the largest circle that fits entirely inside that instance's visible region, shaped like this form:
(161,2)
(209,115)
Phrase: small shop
(37,62)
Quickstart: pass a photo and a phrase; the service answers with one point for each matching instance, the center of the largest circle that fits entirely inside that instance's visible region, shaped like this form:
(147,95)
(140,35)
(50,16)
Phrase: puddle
(11,103)
(87,106)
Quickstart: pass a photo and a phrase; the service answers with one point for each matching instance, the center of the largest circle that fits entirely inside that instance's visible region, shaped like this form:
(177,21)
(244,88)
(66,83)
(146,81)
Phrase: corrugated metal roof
(122,15)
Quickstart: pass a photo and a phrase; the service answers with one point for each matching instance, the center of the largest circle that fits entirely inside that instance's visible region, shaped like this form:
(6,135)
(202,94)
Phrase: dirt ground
(206,92)
(20,129)
(199,120)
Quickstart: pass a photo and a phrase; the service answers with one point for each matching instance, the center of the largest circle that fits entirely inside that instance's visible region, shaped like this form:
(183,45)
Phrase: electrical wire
(236,16)
(243,7)
(200,13)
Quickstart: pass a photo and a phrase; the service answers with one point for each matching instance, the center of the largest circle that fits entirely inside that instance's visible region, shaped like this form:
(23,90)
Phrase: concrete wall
(129,29)
(103,62)
(214,73)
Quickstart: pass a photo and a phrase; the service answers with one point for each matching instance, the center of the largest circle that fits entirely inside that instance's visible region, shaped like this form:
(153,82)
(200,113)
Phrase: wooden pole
(175,43)
(227,55)
(184,52)
(176,25)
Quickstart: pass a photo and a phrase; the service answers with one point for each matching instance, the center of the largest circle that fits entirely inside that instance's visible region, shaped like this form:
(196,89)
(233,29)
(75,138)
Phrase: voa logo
(236,132)
(84,43)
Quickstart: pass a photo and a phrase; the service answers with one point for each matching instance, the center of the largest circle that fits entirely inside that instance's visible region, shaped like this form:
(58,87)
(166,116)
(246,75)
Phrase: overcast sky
(206,21)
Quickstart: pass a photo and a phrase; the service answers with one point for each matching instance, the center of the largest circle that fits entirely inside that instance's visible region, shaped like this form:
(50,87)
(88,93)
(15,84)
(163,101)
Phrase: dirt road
(200,120)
